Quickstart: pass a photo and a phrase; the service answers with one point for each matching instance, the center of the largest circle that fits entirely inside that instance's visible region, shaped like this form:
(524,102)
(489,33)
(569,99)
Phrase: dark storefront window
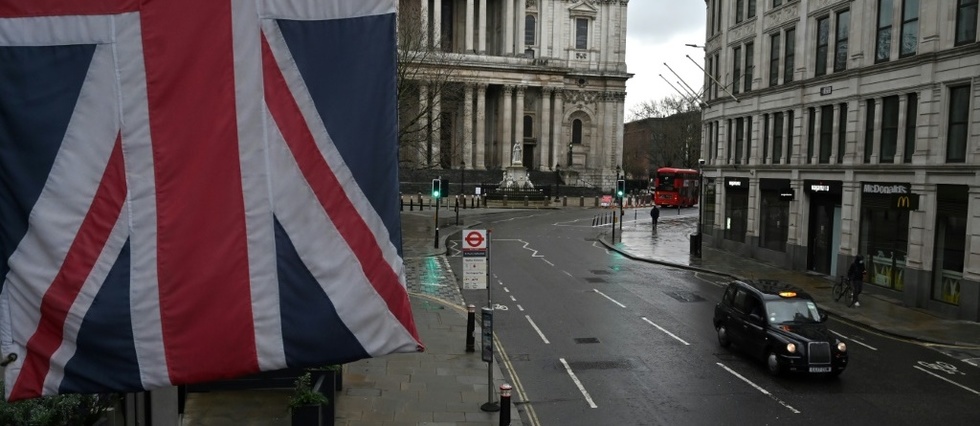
(951,216)
(911,115)
(959,115)
(736,209)
(710,203)
(884,235)
(774,229)
(889,129)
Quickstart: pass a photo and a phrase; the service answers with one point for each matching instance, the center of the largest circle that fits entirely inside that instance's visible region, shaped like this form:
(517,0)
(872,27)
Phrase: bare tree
(425,86)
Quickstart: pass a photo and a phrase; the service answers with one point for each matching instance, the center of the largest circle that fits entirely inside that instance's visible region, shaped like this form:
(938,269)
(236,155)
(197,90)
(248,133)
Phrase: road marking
(535,326)
(601,247)
(943,378)
(970,361)
(506,290)
(854,341)
(578,383)
(518,387)
(520,308)
(566,273)
(760,389)
(665,331)
(610,299)
(546,261)
(513,299)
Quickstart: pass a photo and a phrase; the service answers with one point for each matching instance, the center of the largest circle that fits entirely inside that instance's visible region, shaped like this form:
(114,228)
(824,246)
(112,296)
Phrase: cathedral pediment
(583,8)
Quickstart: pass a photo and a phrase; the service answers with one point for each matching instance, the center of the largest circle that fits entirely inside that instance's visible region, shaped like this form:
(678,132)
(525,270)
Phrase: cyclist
(856,275)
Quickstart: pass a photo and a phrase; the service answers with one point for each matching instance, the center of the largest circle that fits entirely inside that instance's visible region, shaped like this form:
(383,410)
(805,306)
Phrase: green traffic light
(435,194)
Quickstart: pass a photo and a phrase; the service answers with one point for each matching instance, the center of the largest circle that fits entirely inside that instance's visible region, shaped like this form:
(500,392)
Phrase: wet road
(595,338)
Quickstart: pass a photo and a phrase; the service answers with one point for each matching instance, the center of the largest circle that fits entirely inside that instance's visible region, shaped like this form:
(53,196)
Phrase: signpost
(474,259)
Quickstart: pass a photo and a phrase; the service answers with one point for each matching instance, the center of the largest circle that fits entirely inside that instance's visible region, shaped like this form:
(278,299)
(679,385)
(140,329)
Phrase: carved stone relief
(783,15)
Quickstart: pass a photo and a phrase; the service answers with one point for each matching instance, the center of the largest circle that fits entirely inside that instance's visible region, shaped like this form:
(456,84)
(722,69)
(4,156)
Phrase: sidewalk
(671,246)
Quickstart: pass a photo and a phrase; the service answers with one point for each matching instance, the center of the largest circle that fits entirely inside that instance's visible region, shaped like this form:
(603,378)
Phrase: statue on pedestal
(517,154)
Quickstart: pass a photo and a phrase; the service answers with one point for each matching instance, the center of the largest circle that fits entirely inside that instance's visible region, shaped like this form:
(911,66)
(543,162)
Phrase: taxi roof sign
(787,294)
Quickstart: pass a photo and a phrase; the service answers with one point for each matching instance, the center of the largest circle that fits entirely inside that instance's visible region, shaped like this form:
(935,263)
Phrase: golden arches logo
(904,201)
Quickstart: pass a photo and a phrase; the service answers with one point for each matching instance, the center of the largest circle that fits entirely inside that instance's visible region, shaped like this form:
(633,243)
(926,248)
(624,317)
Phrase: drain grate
(684,296)
(586,340)
(595,280)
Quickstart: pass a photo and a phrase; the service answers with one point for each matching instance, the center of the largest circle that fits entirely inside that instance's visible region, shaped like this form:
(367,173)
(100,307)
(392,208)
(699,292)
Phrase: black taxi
(780,324)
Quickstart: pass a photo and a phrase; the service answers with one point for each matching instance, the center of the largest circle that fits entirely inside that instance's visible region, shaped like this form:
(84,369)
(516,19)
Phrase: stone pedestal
(516,177)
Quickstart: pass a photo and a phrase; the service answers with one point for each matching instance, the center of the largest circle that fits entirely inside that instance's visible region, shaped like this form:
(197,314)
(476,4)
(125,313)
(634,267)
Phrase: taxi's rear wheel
(772,363)
(723,336)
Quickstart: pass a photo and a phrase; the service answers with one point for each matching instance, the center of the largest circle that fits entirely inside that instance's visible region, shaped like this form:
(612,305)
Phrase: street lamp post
(557,182)
(462,181)
(700,237)
(618,169)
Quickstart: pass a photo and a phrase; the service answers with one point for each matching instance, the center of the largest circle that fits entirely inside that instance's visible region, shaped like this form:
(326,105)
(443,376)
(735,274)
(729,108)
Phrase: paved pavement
(445,385)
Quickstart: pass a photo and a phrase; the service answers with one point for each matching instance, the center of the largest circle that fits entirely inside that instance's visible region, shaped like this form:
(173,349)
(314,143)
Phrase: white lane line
(546,261)
(760,389)
(566,273)
(854,341)
(665,331)
(610,299)
(506,290)
(943,378)
(513,299)
(581,388)
(535,326)
(520,308)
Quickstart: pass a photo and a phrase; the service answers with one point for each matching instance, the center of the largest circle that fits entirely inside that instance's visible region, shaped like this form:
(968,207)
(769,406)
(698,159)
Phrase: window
(910,28)
(707,81)
(739,6)
(777,138)
(728,152)
(739,139)
(790,55)
(577,132)
(765,137)
(751,12)
(737,67)
(869,131)
(529,30)
(749,65)
(777,3)
(711,17)
(748,138)
(889,129)
(959,113)
(581,33)
(718,14)
(826,133)
(823,44)
(811,129)
(911,113)
(528,127)
(717,62)
(883,41)
(840,43)
(791,117)
(966,22)
(774,61)
(842,133)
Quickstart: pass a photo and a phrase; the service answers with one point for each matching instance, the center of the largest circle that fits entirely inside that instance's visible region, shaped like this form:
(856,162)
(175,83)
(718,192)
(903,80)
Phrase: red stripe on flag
(329,192)
(61,294)
(203,267)
(32,8)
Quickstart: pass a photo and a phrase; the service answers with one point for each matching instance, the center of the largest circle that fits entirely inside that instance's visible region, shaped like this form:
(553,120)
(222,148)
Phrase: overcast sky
(656,32)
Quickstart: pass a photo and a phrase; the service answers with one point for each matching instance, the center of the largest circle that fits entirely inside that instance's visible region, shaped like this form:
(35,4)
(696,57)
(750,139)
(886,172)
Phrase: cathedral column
(421,146)
(561,145)
(482,46)
(436,135)
(468,124)
(545,147)
(469,26)
(424,17)
(480,163)
(437,24)
(508,30)
(519,123)
(506,120)
(520,16)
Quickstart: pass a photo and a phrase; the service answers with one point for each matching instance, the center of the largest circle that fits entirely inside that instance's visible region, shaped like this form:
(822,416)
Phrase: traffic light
(436,188)
(620,188)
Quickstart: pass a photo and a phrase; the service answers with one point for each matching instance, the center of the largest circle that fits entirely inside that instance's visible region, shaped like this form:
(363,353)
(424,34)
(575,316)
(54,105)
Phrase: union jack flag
(196,190)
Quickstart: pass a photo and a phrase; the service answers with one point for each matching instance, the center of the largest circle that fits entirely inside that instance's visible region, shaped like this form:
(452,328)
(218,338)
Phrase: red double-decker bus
(675,187)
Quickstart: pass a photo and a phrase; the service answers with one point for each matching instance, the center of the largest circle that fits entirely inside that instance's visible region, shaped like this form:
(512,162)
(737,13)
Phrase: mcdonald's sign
(905,201)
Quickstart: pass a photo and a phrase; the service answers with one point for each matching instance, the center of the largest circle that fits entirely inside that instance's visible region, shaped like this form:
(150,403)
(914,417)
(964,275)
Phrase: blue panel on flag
(351,78)
(311,330)
(39,87)
(106,353)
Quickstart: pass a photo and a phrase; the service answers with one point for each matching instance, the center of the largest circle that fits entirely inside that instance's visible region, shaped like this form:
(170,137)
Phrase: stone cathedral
(481,80)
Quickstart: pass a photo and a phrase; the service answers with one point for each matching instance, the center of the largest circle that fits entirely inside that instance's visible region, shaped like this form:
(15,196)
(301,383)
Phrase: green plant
(305,394)
(58,410)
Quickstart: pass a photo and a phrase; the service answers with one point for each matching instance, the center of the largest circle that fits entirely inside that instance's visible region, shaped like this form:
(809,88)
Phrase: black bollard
(505,404)
(411,204)
(470,327)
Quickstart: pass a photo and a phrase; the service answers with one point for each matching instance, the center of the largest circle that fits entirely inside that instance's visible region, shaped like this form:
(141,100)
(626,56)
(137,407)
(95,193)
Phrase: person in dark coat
(655,215)
(856,274)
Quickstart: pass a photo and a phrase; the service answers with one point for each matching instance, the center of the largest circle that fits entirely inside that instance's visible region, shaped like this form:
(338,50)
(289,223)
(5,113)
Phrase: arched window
(528,127)
(529,30)
(577,132)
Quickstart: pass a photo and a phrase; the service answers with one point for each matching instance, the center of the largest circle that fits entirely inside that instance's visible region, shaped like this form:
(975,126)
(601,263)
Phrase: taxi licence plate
(819,369)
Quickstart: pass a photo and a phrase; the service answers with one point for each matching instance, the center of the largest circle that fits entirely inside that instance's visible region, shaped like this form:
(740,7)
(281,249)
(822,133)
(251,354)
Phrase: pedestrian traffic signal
(436,188)
(620,188)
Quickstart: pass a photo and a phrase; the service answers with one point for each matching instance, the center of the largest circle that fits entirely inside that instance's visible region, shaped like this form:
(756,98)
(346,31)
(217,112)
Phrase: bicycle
(842,287)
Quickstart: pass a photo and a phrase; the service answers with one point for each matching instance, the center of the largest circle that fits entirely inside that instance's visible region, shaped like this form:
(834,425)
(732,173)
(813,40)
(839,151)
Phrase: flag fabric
(196,190)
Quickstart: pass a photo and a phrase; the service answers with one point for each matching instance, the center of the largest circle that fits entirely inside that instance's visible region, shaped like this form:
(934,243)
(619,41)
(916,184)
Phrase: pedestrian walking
(856,275)
(654,216)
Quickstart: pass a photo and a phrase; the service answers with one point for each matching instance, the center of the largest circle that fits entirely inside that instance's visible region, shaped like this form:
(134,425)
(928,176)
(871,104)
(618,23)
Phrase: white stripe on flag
(56,30)
(321,10)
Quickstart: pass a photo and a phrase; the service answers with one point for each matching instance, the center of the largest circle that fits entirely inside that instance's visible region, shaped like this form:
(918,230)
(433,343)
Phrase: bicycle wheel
(838,290)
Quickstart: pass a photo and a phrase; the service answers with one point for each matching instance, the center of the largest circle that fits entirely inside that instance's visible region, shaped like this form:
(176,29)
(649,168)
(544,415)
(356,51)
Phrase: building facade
(542,78)
(838,128)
